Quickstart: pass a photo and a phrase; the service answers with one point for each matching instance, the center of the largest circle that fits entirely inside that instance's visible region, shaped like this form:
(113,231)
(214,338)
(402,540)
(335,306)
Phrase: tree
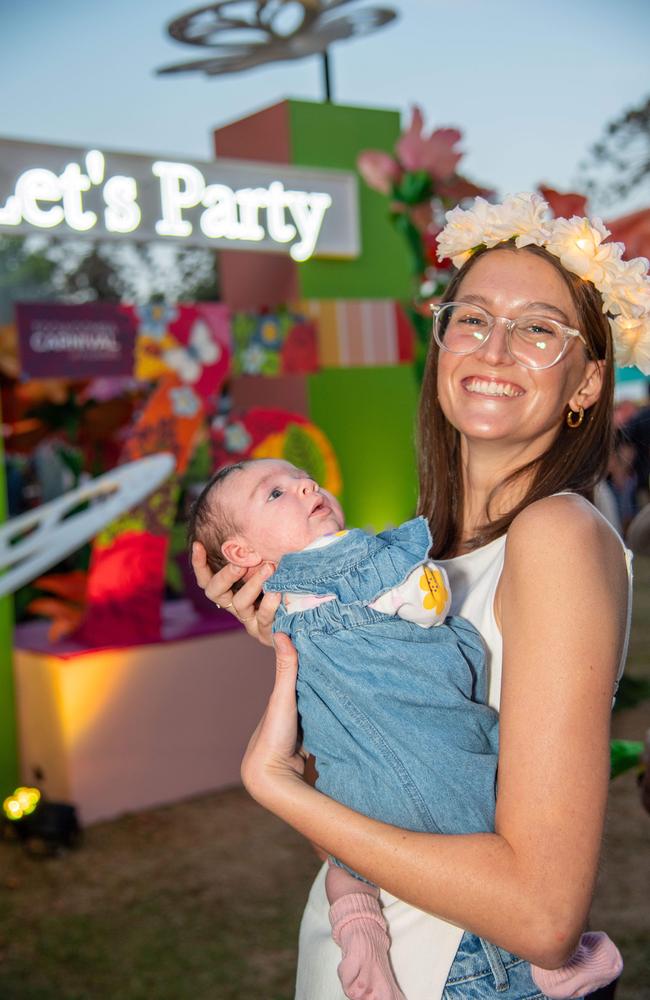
(619,163)
(25,273)
(34,267)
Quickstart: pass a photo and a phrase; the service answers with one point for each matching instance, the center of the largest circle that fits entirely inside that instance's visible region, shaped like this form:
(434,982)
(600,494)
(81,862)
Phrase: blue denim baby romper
(393,713)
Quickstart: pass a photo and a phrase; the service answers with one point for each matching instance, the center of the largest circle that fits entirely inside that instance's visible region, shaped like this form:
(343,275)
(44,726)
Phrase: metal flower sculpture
(243,34)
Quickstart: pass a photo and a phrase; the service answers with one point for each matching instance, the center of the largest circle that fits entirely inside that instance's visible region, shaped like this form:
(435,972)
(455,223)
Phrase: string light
(23,802)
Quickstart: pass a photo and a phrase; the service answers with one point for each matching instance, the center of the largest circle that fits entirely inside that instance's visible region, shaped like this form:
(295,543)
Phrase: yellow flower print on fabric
(436,596)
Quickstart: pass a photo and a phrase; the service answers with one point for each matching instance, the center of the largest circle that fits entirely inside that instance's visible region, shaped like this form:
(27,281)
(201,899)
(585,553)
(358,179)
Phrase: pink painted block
(250,280)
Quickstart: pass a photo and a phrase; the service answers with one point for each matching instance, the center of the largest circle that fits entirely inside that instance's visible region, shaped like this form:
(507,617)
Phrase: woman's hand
(272,761)
(257,619)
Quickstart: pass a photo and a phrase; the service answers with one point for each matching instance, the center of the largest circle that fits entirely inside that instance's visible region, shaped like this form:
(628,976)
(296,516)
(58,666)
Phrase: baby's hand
(257,618)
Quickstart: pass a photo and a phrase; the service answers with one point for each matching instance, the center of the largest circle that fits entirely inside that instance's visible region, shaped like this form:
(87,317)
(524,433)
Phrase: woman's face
(488,395)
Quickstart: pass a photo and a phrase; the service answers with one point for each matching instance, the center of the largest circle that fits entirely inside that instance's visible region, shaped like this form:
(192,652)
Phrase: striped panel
(355,332)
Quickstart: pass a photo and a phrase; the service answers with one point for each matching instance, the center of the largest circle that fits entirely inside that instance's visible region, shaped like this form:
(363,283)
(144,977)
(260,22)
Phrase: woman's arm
(527,887)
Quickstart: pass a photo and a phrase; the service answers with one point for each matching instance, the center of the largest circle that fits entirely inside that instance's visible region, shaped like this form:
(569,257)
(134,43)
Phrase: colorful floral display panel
(188,349)
(273,344)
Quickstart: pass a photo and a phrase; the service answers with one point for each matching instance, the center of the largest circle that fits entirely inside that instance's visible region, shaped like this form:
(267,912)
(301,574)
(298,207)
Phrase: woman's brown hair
(575,461)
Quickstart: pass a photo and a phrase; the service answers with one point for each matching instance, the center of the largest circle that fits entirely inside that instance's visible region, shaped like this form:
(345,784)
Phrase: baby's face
(277,509)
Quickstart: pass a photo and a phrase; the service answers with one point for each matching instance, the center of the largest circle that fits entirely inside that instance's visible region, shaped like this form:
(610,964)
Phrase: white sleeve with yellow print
(424,597)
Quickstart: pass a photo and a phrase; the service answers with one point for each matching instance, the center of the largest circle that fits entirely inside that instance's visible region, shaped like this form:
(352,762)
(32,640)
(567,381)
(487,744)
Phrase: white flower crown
(578,242)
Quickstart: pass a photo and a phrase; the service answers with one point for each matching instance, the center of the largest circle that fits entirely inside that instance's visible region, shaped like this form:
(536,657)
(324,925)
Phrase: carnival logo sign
(228,204)
(75,341)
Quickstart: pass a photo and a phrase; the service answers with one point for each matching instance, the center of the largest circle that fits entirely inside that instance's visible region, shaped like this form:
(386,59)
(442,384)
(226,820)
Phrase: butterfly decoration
(202,349)
(243,34)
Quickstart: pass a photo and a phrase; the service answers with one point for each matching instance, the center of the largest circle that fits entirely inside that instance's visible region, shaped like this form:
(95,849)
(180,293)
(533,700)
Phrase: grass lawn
(201,900)
(197,900)
(622,903)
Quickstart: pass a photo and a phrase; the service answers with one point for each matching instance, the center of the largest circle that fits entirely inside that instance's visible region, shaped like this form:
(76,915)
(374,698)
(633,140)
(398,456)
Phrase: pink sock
(359,929)
(595,963)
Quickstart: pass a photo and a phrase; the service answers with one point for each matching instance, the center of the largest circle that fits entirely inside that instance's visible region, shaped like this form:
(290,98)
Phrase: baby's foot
(595,963)
(358,927)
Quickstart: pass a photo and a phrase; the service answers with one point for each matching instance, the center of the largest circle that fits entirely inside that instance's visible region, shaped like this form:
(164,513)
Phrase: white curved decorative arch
(40,538)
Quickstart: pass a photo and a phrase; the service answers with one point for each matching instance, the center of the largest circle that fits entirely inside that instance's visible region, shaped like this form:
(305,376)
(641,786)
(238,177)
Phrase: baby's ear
(236,551)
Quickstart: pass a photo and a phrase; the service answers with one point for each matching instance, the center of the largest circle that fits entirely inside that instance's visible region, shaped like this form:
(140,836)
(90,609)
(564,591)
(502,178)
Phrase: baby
(391,691)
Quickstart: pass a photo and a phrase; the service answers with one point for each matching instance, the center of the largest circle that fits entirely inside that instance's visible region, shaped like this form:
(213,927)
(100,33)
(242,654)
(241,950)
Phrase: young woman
(515,432)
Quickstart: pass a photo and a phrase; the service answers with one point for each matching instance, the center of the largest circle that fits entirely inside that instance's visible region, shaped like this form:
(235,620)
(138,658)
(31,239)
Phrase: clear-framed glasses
(533,340)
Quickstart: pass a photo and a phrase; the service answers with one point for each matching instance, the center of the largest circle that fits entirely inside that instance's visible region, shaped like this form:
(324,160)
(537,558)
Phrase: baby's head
(258,511)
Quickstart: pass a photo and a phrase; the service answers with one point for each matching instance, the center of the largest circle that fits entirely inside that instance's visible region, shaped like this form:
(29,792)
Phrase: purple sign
(85,341)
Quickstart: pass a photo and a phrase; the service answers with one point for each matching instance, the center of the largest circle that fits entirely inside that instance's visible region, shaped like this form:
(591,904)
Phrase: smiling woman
(510,450)
(523,398)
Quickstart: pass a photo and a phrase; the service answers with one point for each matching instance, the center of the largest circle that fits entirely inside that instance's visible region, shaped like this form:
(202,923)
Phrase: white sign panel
(225,204)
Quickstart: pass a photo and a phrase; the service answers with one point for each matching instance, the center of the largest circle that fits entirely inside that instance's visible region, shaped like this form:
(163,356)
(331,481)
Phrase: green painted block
(332,136)
(369,416)
(8,744)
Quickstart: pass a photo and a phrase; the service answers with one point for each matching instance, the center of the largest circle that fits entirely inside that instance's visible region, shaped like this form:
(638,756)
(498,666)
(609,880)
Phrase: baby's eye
(274,494)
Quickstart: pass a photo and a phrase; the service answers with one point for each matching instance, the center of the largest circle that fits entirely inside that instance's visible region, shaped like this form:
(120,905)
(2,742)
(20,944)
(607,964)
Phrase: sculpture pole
(327,77)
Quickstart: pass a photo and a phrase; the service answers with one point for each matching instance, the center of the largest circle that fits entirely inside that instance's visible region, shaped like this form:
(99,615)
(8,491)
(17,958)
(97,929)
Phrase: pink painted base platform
(119,730)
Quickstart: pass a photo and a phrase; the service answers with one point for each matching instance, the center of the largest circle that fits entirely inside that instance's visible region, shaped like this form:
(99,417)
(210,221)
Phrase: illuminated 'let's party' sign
(228,204)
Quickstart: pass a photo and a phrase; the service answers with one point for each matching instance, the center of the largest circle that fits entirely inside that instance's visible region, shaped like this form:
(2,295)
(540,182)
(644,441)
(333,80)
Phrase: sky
(530,83)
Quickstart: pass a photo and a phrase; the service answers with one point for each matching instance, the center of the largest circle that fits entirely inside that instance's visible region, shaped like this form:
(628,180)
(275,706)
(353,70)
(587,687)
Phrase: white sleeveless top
(422,946)
(473,578)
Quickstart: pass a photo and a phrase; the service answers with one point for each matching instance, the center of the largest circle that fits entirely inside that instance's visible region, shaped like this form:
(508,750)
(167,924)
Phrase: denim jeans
(481,971)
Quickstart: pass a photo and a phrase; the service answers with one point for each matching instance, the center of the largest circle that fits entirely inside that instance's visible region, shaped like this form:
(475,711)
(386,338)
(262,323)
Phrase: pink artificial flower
(458,188)
(435,154)
(564,205)
(634,231)
(379,170)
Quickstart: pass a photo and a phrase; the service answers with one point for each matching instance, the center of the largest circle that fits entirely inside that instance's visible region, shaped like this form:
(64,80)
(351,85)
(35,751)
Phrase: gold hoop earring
(574,419)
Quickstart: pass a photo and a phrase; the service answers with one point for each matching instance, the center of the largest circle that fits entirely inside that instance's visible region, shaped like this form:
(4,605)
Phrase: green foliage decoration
(302,451)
